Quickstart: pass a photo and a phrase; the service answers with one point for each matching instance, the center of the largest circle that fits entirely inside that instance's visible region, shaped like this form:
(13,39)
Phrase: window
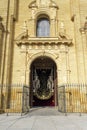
(43,27)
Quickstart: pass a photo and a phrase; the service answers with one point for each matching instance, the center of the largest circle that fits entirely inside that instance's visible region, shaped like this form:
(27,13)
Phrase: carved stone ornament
(24,39)
(1,25)
(42,3)
(85,25)
(83,30)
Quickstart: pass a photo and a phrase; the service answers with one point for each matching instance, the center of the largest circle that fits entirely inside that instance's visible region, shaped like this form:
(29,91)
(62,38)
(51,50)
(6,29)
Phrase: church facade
(43,44)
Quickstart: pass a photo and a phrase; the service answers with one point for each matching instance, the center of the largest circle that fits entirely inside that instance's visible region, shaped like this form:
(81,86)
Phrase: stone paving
(43,119)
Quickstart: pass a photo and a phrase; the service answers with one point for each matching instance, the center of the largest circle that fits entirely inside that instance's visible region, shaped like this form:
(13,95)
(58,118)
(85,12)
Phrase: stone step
(44,111)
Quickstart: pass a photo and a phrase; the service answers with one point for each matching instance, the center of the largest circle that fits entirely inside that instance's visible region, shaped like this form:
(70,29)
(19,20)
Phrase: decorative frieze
(43,41)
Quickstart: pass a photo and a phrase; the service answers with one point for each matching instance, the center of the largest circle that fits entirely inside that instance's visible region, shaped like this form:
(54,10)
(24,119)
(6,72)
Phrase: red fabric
(38,102)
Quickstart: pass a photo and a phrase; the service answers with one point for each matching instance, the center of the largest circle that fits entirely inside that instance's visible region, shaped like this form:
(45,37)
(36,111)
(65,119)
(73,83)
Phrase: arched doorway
(43,82)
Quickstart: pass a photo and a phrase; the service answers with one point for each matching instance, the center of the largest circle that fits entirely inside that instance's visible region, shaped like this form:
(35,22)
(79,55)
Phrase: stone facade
(66,44)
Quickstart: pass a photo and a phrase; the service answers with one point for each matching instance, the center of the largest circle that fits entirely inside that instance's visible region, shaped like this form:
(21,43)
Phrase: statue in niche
(50,83)
(36,83)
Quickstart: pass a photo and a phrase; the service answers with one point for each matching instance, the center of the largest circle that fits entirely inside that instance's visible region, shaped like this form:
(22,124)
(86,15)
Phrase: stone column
(63,67)
(16,4)
(52,28)
(1,43)
(68,70)
(1,47)
(10,53)
(56,22)
(32,27)
(27,69)
(84,45)
(0,65)
(78,42)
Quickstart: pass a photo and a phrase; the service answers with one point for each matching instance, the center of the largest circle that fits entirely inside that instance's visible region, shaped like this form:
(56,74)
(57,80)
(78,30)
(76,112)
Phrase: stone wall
(66,17)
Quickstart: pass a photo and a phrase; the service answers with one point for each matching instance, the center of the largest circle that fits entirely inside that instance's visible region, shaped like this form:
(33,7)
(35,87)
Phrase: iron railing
(14,98)
(72,98)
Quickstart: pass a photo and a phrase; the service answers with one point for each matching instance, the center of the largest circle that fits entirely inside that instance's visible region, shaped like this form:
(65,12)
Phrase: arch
(42,12)
(44,67)
(52,56)
(42,25)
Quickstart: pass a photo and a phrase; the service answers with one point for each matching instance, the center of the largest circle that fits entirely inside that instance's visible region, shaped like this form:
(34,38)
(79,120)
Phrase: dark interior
(44,67)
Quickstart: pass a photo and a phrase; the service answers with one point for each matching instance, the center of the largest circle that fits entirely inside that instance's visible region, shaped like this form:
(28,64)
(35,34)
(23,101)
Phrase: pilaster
(78,43)
(84,45)
(63,66)
(53,28)
(1,48)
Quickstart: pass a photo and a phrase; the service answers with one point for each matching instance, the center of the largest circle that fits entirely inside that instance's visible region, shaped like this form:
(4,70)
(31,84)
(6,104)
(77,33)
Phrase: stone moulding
(40,40)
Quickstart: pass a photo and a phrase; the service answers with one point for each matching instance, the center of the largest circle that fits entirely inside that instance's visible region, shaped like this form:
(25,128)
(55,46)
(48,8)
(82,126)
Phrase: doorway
(43,82)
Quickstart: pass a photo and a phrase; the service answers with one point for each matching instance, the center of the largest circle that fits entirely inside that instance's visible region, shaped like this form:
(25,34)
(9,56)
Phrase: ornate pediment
(53,4)
(33,4)
(42,3)
(43,8)
(24,39)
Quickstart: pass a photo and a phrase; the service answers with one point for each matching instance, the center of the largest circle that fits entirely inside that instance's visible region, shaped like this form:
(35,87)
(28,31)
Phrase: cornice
(45,40)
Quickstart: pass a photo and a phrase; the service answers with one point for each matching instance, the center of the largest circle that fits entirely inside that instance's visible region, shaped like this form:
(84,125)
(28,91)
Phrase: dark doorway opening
(43,90)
